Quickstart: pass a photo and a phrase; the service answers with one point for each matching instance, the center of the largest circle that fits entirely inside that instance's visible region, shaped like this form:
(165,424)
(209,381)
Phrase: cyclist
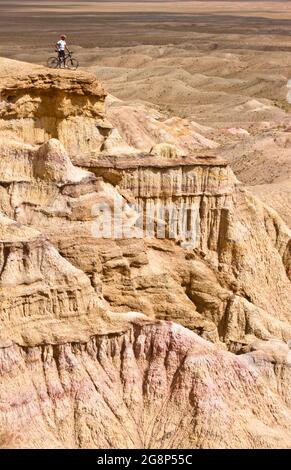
(61,47)
(64,59)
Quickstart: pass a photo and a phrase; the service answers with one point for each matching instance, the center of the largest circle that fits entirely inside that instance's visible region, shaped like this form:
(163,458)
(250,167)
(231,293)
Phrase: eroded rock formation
(170,387)
(97,250)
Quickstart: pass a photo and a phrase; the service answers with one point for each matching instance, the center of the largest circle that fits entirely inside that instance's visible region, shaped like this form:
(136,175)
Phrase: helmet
(62,36)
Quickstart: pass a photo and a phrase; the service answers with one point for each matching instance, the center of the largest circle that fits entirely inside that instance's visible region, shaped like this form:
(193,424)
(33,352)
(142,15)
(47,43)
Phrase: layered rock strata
(85,287)
(154,385)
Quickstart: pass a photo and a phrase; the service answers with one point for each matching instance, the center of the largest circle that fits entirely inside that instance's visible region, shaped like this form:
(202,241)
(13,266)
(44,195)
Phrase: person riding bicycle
(61,47)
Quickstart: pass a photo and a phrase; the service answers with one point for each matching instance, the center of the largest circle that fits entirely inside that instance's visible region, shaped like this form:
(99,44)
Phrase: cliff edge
(130,282)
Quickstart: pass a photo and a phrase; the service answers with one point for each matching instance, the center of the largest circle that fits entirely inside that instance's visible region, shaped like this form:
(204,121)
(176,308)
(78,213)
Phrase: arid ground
(144,290)
(221,64)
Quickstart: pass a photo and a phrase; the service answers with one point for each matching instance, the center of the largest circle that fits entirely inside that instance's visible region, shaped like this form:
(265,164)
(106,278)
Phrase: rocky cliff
(170,387)
(102,248)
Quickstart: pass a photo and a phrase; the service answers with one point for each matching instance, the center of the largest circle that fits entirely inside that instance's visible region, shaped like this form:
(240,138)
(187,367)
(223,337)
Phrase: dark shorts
(61,53)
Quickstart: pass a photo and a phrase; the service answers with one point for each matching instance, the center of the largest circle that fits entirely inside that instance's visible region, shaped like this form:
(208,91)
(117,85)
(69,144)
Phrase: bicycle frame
(62,60)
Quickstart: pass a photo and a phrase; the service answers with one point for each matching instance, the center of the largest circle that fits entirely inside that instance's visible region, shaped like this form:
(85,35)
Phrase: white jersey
(61,45)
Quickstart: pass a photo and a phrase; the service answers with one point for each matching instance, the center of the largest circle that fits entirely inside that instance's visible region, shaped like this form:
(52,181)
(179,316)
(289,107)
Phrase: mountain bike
(67,62)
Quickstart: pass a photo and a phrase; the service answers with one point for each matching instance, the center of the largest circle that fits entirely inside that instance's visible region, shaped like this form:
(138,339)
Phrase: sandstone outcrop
(170,387)
(39,104)
(97,250)
(37,286)
(144,126)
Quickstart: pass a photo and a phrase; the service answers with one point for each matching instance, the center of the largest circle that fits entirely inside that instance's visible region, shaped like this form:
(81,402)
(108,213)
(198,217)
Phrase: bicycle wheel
(53,63)
(72,64)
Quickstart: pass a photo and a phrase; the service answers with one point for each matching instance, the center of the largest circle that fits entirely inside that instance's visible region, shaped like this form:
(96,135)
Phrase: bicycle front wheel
(72,64)
(53,63)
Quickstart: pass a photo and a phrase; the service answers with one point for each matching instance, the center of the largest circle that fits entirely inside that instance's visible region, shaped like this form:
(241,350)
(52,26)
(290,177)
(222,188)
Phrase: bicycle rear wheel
(72,64)
(53,63)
